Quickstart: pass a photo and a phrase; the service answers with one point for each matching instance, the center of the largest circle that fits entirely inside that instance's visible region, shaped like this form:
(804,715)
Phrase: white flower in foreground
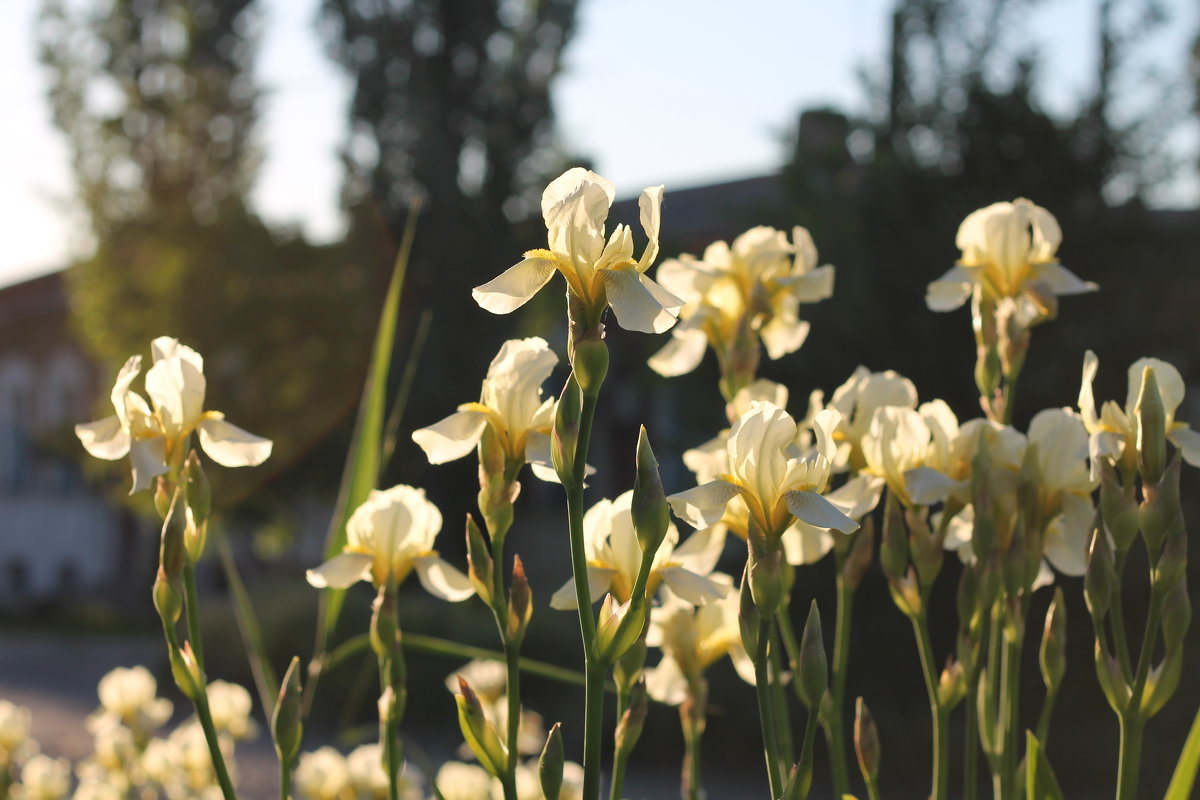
(599,273)
(1114,431)
(771,472)
(155,435)
(911,450)
(322,775)
(1009,250)
(753,288)
(386,538)
(615,557)
(511,403)
(691,640)
(231,707)
(130,694)
(856,400)
(44,778)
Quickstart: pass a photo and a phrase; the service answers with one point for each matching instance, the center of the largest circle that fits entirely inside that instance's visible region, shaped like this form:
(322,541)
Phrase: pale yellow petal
(341,571)
(104,438)
(230,446)
(451,438)
(515,286)
(442,580)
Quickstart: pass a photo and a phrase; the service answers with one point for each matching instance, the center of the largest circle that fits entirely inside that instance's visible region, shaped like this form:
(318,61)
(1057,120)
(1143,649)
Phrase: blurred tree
(451,104)
(158,104)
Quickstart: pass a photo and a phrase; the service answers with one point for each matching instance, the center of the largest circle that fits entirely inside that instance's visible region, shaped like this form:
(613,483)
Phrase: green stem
(806,751)
(783,719)
(1043,726)
(692,714)
(196,639)
(766,716)
(512,658)
(841,659)
(594,672)
(1132,726)
(1010,693)
(941,717)
(513,684)
(971,737)
(285,780)
(1117,614)
(620,759)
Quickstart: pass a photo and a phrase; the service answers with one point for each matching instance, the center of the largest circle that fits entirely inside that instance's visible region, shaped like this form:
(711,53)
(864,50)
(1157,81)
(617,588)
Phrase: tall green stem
(593,670)
(971,737)
(783,718)
(841,660)
(285,780)
(1133,722)
(766,716)
(692,718)
(1010,692)
(940,717)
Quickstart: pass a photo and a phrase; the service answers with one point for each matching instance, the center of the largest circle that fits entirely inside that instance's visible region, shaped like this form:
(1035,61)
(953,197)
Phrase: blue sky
(679,92)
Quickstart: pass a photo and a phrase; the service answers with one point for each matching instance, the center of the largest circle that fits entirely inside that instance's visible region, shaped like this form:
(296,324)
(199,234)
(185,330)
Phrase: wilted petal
(341,571)
(634,305)
(951,290)
(682,354)
(1061,280)
(599,581)
(230,446)
(451,438)
(805,544)
(696,589)
(665,682)
(816,510)
(703,505)
(148,460)
(104,438)
(515,286)
(442,580)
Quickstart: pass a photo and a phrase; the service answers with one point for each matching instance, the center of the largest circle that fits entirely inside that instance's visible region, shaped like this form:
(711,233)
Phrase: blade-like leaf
(407,379)
(265,682)
(362,462)
(1040,783)
(1189,763)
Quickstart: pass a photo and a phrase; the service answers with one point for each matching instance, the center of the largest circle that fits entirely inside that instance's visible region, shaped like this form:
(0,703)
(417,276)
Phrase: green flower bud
(1112,682)
(925,550)
(866,741)
(649,509)
(1176,616)
(1014,560)
(1160,512)
(629,726)
(479,561)
(162,496)
(627,670)
(813,669)
(952,684)
(1162,682)
(589,362)
(765,572)
(799,780)
(172,548)
(287,721)
(550,764)
(893,551)
(1053,653)
(564,436)
(199,491)
(858,560)
(1100,577)
(1117,508)
(618,627)
(1171,569)
(186,671)
(1151,428)
(987,372)
(520,602)
(983,534)
(478,730)
(168,600)
(967,597)
(748,617)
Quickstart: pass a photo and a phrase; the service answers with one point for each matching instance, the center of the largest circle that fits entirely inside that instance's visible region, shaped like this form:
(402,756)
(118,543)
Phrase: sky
(678,92)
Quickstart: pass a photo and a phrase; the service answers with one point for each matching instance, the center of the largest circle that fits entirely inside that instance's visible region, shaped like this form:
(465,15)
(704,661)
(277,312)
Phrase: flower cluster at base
(131,756)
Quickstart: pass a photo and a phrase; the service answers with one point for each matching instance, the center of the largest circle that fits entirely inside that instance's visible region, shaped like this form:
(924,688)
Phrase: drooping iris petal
(451,438)
(105,438)
(229,445)
(633,303)
(515,286)
(341,571)
(599,581)
(815,509)
(703,505)
(442,580)
(148,459)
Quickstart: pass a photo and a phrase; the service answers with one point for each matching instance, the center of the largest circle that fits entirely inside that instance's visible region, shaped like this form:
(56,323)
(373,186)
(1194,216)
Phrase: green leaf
(361,473)
(1189,763)
(1040,783)
(252,641)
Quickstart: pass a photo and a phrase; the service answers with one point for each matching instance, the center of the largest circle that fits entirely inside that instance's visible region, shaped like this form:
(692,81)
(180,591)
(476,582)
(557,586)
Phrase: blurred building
(58,537)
